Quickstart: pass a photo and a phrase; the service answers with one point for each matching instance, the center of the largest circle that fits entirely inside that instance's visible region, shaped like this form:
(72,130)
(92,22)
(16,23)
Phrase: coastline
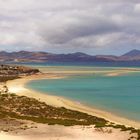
(18,87)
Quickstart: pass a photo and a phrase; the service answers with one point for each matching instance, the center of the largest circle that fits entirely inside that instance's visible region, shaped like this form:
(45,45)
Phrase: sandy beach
(45,132)
(18,86)
(81,133)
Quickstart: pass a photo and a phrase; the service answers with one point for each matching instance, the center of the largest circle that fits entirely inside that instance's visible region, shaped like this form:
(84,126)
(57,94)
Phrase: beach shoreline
(18,87)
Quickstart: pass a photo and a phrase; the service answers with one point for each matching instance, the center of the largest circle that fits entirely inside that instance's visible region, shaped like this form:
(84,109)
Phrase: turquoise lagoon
(91,86)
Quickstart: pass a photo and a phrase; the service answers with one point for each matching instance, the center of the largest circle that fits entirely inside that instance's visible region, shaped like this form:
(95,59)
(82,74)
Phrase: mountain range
(25,56)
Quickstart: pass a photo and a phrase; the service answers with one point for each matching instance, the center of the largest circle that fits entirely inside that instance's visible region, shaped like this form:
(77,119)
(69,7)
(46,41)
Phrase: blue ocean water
(97,64)
(117,94)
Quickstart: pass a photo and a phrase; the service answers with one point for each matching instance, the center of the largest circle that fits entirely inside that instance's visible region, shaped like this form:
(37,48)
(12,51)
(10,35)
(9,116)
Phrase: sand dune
(45,132)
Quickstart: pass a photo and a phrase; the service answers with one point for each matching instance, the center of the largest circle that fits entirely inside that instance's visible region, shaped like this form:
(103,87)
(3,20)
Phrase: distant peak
(133,52)
(23,51)
(79,54)
(136,49)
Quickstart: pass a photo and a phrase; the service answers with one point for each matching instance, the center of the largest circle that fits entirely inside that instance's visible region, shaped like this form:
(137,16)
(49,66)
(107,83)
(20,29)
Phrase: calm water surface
(119,94)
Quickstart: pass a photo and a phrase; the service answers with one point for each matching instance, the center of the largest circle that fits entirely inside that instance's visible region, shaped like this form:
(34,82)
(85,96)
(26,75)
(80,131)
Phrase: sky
(67,26)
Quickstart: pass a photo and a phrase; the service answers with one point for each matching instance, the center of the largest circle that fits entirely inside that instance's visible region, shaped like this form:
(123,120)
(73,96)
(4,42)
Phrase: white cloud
(137,8)
(69,25)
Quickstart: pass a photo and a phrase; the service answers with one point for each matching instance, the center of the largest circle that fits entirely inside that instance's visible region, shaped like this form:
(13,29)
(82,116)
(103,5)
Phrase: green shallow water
(119,94)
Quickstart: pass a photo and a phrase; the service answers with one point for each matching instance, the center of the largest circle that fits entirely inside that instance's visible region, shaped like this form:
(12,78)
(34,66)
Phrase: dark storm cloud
(82,28)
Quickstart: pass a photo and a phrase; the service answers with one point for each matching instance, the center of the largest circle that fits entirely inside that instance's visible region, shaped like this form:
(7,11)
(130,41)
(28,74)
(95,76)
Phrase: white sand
(45,132)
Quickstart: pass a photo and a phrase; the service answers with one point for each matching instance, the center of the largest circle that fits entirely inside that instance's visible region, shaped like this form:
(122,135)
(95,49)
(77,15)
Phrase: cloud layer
(91,26)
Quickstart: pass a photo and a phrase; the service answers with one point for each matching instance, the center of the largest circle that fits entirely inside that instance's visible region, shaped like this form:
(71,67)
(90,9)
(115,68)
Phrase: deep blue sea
(119,95)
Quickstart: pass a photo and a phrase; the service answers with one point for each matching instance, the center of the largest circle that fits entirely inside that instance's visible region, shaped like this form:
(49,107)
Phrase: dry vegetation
(24,108)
